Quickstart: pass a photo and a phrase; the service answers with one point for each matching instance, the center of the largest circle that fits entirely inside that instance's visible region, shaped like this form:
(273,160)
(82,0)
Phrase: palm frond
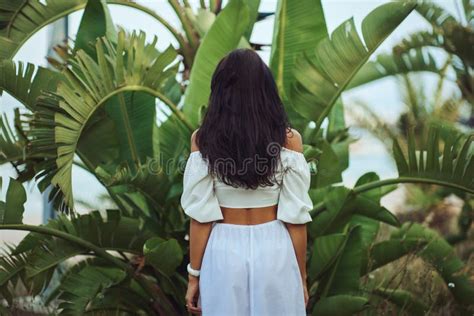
(404,300)
(299,26)
(419,40)
(147,188)
(112,232)
(443,258)
(468,6)
(44,253)
(11,271)
(343,305)
(11,146)
(11,211)
(424,163)
(111,294)
(21,19)
(79,290)
(435,14)
(322,76)
(15,145)
(449,33)
(24,84)
(89,84)
(386,65)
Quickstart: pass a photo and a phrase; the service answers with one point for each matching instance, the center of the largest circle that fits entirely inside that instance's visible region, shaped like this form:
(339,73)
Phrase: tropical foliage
(438,54)
(97,109)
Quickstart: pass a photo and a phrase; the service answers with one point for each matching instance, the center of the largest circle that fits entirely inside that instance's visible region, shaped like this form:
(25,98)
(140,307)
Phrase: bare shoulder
(294,140)
(194,146)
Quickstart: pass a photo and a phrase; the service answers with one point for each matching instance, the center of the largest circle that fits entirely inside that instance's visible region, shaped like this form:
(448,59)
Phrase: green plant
(99,104)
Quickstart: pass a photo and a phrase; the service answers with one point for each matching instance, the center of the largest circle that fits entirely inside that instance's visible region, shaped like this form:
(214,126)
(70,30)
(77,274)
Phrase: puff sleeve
(198,199)
(295,203)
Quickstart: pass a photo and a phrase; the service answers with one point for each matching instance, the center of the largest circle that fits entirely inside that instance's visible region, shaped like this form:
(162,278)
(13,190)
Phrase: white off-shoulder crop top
(203,195)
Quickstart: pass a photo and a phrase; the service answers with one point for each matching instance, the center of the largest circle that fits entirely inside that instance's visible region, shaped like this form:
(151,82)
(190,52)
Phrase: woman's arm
(299,239)
(198,236)
(198,232)
(298,232)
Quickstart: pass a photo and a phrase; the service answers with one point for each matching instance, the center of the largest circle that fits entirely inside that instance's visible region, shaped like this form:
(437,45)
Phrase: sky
(367,154)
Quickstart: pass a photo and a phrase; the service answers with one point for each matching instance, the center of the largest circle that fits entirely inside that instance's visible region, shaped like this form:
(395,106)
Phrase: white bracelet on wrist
(192,271)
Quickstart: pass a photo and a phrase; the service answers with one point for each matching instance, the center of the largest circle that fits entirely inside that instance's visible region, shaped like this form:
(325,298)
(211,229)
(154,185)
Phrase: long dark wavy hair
(245,124)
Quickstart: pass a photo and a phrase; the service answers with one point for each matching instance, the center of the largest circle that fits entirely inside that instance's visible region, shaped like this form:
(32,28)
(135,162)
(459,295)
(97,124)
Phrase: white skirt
(250,270)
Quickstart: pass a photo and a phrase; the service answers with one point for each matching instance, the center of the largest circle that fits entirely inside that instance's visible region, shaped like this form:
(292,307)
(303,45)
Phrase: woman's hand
(306,295)
(192,295)
(305,288)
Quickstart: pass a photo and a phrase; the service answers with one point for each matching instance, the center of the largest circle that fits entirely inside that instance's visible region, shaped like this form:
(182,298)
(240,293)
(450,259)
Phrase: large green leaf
(131,66)
(338,210)
(12,272)
(367,207)
(387,251)
(433,13)
(96,22)
(441,255)
(336,120)
(173,142)
(405,300)
(253,6)
(100,133)
(448,33)
(325,251)
(24,84)
(111,296)
(223,36)
(141,192)
(386,65)
(78,290)
(454,39)
(368,233)
(340,305)
(344,275)
(11,145)
(134,115)
(21,19)
(340,205)
(298,27)
(453,168)
(323,75)
(163,255)
(115,232)
(50,254)
(202,20)
(11,211)
(329,167)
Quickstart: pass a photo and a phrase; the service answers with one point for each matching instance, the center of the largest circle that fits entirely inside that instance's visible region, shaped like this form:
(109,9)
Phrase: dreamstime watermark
(195,163)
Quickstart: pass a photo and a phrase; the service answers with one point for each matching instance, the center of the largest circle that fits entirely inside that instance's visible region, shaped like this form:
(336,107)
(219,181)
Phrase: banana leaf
(340,305)
(443,258)
(424,162)
(322,75)
(298,27)
(223,36)
(11,211)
